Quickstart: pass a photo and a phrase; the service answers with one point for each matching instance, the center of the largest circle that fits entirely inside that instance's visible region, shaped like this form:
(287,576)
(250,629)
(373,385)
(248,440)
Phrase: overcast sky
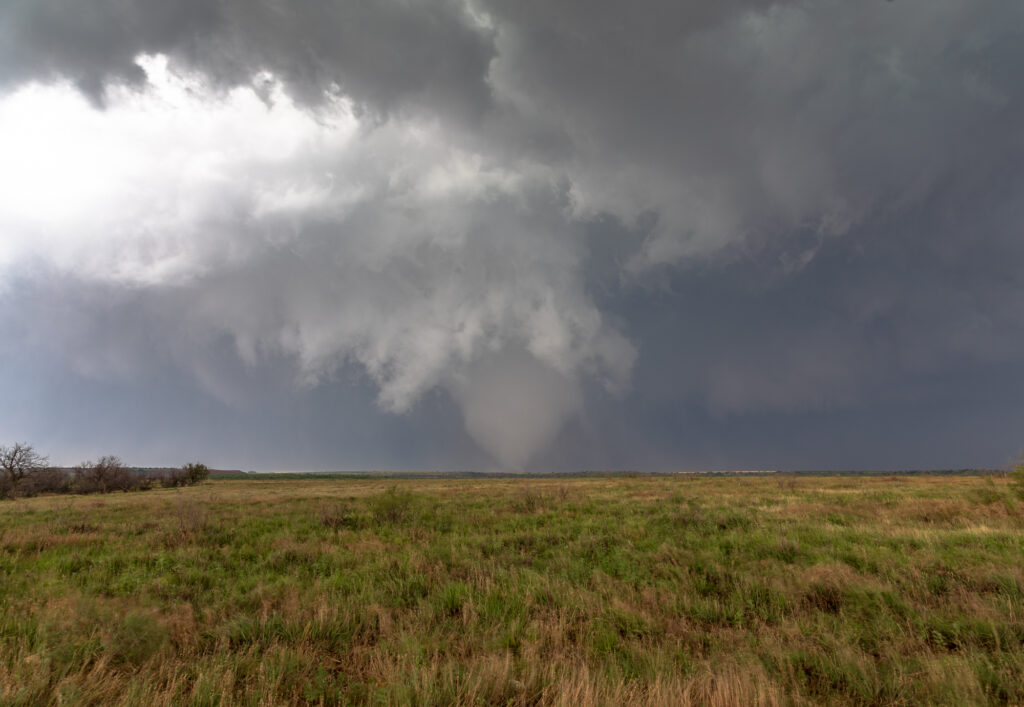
(513,235)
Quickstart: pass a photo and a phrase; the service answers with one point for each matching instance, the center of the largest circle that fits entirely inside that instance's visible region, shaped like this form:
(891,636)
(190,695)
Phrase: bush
(188,475)
(195,472)
(172,478)
(393,507)
(45,481)
(104,476)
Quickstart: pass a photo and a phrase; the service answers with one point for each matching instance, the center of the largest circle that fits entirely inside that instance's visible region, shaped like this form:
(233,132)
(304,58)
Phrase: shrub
(173,478)
(529,500)
(393,507)
(188,475)
(340,517)
(106,475)
(195,472)
(47,480)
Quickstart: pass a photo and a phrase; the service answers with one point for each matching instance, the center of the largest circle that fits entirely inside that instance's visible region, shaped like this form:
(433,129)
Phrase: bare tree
(19,460)
(105,475)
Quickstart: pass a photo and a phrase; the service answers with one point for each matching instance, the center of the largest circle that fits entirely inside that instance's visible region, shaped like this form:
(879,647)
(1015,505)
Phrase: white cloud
(311,234)
(164,183)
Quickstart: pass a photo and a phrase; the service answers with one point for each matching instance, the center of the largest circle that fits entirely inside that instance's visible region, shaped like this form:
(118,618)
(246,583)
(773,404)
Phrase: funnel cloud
(515,405)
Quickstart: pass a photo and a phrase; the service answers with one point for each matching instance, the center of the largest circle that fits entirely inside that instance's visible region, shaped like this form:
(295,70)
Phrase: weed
(136,638)
(394,507)
(1017,480)
(341,516)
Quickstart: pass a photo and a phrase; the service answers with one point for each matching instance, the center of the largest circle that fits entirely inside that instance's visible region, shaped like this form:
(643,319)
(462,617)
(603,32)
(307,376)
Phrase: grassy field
(632,590)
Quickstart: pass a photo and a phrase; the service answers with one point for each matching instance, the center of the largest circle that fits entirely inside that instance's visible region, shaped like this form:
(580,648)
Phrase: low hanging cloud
(316,236)
(414,191)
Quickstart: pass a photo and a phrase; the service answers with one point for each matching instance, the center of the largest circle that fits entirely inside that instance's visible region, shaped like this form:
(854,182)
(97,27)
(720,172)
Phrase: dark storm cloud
(92,43)
(788,209)
(747,123)
(382,53)
(872,145)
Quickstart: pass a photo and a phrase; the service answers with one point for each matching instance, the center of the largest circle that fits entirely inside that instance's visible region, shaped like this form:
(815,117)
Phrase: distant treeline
(899,472)
(299,475)
(294,476)
(25,473)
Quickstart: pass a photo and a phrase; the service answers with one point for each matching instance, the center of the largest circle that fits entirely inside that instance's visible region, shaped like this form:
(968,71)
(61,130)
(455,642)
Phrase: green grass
(611,590)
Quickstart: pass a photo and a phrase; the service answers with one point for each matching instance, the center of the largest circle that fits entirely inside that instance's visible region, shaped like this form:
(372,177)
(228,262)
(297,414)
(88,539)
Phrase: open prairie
(582,591)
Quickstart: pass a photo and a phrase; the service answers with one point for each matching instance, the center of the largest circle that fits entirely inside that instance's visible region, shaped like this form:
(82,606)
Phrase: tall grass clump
(1017,479)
